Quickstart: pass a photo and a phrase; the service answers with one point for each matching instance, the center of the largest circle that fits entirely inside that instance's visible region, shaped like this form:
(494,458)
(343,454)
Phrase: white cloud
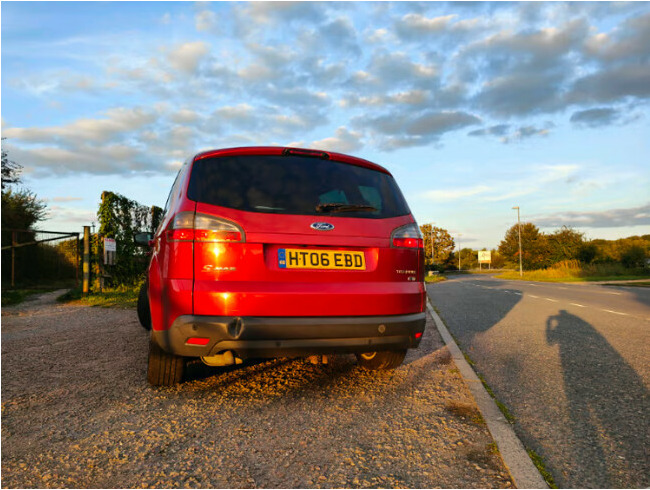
(118,121)
(455,194)
(205,20)
(343,141)
(186,57)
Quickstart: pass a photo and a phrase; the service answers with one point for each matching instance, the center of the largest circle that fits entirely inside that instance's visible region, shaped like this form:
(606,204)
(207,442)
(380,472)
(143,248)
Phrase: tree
(443,245)
(534,245)
(587,252)
(10,170)
(468,259)
(21,210)
(564,244)
(633,256)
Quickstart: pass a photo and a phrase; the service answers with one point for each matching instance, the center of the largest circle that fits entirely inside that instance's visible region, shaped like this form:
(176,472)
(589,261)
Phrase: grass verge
(434,278)
(117,297)
(535,458)
(541,467)
(12,297)
(574,271)
(642,284)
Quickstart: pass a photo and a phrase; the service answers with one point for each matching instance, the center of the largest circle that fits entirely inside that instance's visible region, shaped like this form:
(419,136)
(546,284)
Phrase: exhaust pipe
(226,358)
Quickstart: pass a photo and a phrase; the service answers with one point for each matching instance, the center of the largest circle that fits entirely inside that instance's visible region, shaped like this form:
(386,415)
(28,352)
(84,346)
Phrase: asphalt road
(571,363)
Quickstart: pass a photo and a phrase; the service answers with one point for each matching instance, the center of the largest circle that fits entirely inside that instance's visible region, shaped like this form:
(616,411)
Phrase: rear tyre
(164,369)
(144,313)
(381,360)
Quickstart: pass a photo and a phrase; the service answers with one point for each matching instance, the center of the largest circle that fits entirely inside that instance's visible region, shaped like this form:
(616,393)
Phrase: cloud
(612,85)
(117,122)
(613,218)
(415,25)
(186,57)
(406,129)
(98,160)
(455,194)
(205,20)
(629,41)
(502,131)
(64,199)
(601,116)
(498,130)
(343,141)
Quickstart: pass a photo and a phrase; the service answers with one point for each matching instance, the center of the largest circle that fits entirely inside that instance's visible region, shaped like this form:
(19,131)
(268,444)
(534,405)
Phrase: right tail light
(407,236)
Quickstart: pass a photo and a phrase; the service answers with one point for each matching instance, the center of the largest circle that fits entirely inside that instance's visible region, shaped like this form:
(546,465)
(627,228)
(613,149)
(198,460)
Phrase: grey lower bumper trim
(290,336)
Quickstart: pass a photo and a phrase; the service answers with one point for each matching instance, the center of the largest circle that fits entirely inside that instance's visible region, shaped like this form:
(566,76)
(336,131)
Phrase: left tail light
(188,226)
(407,236)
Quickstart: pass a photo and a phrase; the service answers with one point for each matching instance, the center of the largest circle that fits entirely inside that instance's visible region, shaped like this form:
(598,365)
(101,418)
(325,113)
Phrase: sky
(474,107)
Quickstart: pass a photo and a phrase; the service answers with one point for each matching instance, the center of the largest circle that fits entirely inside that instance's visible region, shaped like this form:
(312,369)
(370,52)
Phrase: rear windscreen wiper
(339,207)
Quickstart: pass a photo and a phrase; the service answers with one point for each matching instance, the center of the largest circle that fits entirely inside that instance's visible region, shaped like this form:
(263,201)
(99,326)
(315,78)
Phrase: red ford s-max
(282,252)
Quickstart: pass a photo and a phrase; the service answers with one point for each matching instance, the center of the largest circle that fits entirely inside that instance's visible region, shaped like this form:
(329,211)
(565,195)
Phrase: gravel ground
(77,412)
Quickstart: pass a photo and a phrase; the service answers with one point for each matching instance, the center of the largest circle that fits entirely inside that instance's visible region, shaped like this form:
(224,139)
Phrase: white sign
(110,245)
(484,257)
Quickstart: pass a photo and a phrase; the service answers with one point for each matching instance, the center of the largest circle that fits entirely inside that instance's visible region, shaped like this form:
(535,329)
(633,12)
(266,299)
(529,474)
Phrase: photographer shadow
(607,402)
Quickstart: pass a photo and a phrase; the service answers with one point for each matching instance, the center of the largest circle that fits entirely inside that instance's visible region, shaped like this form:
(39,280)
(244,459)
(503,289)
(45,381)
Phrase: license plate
(301,258)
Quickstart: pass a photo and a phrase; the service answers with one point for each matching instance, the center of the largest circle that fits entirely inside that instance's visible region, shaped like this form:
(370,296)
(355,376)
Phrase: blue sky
(474,107)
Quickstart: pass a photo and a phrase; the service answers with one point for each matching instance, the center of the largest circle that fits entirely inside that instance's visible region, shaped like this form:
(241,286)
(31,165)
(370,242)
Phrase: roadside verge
(523,471)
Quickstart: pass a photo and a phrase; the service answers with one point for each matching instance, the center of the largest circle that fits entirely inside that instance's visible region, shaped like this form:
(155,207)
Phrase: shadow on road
(608,402)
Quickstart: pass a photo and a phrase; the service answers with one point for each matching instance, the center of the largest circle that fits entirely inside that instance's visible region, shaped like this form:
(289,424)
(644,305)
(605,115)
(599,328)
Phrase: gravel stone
(77,412)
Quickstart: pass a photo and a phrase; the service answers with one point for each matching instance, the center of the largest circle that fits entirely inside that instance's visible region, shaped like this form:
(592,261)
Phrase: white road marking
(533,296)
(515,292)
(531,284)
(576,304)
(609,292)
(616,312)
(550,299)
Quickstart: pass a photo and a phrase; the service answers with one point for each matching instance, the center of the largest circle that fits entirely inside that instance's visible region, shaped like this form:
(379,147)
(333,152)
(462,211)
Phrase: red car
(282,252)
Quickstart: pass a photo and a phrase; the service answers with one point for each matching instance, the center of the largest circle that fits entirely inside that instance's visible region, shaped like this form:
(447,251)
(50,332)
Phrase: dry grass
(466,411)
(574,271)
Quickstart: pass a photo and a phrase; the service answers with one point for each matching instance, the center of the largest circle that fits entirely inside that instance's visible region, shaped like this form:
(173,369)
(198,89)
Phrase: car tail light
(407,236)
(198,227)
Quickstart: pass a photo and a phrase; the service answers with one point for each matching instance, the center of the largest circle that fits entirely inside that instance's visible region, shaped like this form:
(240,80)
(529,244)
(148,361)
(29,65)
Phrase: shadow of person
(607,404)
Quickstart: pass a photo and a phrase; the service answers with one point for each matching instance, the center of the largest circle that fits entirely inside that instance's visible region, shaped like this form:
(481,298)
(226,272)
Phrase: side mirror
(143,238)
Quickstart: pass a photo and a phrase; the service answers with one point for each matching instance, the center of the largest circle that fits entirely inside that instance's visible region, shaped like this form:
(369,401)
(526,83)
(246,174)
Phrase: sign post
(484,257)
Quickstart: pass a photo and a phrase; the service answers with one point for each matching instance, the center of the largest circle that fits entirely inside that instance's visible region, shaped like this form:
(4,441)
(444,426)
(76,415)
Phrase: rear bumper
(290,336)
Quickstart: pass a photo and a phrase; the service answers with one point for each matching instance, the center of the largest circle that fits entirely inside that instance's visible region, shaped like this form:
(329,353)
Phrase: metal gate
(37,258)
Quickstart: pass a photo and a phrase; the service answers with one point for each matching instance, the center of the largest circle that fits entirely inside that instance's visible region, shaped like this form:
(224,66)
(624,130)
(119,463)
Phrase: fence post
(13,257)
(86,261)
(76,265)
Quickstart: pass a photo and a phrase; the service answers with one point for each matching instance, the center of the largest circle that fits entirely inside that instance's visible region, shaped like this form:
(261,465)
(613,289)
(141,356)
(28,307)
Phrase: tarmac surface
(570,362)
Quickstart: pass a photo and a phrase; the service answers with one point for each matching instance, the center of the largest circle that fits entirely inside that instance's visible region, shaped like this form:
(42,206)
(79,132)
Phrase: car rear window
(295,185)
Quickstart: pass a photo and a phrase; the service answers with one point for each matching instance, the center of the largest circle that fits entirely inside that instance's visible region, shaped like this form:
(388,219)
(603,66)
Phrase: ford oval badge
(320,226)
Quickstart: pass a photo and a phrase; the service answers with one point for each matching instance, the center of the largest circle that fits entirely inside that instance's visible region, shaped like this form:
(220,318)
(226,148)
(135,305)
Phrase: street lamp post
(521,269)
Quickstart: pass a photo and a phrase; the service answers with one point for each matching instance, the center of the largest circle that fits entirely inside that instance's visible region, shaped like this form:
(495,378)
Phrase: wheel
(389,359)
(165,369)
(144,313)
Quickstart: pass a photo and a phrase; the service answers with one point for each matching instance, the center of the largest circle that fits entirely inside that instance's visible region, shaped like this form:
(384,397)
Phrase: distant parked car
(282,252)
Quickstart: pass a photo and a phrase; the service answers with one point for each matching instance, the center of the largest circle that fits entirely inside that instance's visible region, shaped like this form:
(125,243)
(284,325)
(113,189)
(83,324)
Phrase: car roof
(279,150)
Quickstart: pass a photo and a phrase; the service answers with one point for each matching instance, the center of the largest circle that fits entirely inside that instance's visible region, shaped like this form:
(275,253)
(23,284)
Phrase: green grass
(541,467)
(16,296)
(435,278)
(117,297)
(574,271)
